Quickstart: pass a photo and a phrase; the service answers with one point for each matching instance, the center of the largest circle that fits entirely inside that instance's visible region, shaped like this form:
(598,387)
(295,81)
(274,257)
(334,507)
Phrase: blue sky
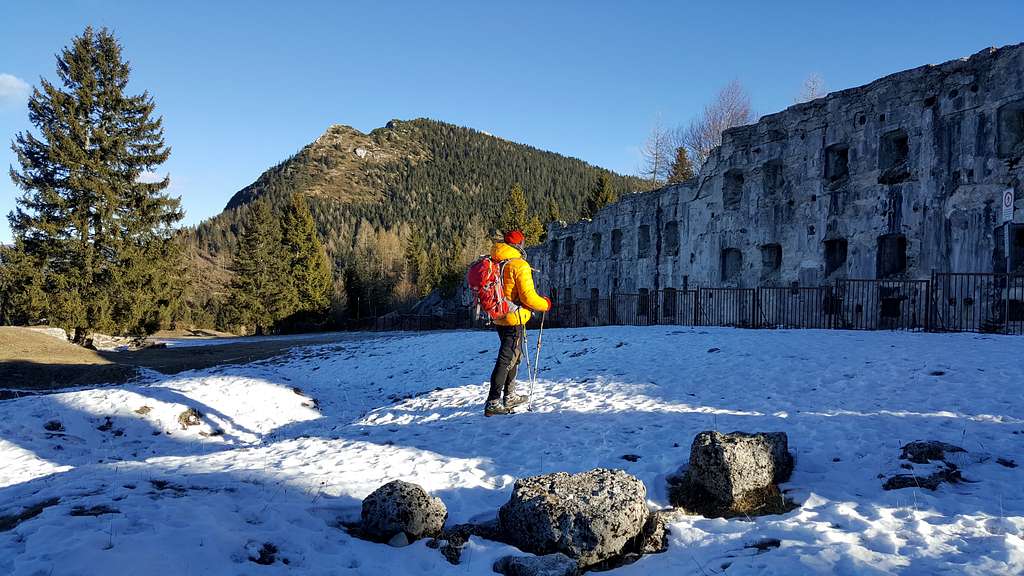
(242,85)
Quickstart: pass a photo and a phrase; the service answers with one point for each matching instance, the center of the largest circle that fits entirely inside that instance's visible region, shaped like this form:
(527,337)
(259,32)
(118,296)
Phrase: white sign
(1008,205)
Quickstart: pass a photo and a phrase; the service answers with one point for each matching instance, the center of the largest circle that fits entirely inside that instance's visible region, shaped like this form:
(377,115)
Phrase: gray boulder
(402,507)
(550,565)
(734,474)
(591,516)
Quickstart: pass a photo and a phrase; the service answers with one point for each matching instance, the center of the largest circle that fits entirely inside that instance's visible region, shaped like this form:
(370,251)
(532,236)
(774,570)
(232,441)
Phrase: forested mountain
(378,198)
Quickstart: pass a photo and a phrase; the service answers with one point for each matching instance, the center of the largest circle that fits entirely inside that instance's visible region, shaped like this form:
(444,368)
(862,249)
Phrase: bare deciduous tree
(657,154)
(730,108)
(812,88)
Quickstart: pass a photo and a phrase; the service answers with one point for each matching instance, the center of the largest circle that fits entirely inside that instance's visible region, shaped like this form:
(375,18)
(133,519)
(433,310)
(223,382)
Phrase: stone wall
(889,180)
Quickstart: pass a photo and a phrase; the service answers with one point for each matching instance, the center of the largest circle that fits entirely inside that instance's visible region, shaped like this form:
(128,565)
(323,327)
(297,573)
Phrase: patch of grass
(98,510)
(29,512)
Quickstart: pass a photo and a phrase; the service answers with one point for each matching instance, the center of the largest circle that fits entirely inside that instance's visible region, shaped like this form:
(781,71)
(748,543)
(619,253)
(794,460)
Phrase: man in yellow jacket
(517,280)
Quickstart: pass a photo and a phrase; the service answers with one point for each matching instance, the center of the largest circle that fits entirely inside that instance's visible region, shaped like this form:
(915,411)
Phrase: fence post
(696,306)
(755,309)
(930,301)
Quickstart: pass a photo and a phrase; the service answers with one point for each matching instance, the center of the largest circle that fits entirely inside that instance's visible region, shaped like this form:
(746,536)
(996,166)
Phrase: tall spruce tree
(554,212)
(601,195)
(513,216)
(682,168)
(418,264)
(308,265)
(261,291)
(100,234)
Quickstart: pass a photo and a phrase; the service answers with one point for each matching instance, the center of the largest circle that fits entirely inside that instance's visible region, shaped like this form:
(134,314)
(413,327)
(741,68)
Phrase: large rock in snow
(591,516)
(736,473)
(402,507)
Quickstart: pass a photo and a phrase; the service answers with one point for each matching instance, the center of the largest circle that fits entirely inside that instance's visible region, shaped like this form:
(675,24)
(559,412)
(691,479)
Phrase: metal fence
(947,302)
(977,303)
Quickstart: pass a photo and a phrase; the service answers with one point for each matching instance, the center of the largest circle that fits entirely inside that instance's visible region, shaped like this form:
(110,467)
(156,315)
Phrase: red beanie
(514,237)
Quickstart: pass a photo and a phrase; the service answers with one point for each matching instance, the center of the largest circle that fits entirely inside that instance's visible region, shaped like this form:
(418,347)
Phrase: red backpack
(485,283)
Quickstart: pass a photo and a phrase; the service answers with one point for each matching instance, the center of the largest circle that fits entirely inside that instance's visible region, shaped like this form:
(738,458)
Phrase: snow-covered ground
(193,341)
(284,470)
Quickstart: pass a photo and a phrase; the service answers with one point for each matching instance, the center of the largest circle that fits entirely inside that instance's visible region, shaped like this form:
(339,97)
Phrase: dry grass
(34,361)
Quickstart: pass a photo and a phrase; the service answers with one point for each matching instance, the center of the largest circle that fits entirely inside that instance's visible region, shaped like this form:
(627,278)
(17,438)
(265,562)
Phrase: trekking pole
(529,368)
(536,364)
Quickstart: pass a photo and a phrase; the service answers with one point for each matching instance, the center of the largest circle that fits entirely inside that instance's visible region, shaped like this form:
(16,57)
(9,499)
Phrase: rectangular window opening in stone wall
(554,250)
(643,302)
(771,263)
(570,247)
(1016,259)
(731,265)
(1010,120)
(837,162)
(894,157)
(1016,248)
(891,257)
(672,238)
(668,306)
(732,189)
(773,180)
(595,245)
(616,241)
(567,298)
(595,299)
(835,255)
(643,241)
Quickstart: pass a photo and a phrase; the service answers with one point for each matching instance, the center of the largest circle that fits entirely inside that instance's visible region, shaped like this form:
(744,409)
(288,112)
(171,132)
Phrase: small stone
(630,457)
(399,540)
(549,565)
(54,426)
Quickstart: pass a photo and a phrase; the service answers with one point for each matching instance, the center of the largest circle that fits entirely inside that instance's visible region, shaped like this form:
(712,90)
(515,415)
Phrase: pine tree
(261,292)
(308,266)
(418,264)
(682,168)
(513,216)
(533,231)
(22,298)
(601,195)
(102,237)
(554,212)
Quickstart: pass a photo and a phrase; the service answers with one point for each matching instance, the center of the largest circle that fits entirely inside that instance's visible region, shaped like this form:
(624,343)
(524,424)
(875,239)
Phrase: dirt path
(33,361)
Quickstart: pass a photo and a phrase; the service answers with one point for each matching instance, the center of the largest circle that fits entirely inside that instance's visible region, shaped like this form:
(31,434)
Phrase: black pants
(503,378)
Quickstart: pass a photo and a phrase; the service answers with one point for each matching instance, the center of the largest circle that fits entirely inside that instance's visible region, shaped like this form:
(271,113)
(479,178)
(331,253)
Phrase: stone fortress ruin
(894,180)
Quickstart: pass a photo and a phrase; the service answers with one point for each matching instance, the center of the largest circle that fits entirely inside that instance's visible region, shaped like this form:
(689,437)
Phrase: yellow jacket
(518,282)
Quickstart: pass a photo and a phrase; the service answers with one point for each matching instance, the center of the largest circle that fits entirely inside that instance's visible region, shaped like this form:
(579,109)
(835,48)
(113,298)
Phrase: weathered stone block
(402,507)
(590,516)
(734,473)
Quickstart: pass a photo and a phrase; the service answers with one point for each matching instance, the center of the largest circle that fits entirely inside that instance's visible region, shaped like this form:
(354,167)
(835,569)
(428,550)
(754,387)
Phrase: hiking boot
(495,408)
(513,400)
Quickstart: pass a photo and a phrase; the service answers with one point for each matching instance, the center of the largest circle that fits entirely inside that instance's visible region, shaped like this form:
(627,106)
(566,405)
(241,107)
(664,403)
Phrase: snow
(193,341)
(269,464)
